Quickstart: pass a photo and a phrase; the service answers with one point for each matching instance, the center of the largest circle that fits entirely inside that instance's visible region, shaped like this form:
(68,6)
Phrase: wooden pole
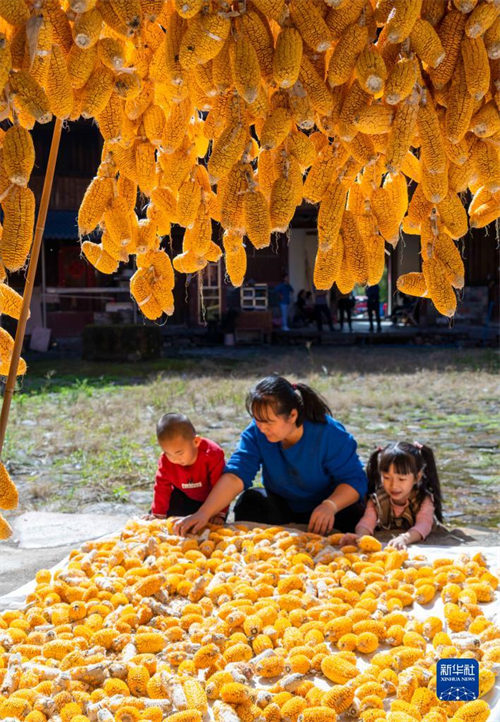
(30,279)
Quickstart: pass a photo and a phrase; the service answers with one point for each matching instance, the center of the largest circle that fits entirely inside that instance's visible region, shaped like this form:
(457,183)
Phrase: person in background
(405,310)
(404,494)
(300,316)
(373,298)
(188,469)
(285,292)
(345,304)
(321,310)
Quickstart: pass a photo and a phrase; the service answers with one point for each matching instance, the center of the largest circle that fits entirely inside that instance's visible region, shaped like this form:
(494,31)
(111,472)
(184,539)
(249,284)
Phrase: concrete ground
(41,539)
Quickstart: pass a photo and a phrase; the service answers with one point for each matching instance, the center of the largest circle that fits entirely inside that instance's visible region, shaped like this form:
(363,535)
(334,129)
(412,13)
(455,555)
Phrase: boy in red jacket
(187,469)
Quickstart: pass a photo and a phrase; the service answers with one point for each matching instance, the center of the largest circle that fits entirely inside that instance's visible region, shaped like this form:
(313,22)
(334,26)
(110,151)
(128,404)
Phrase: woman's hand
(348,539)
(193,523)
(150,517)
(322,519)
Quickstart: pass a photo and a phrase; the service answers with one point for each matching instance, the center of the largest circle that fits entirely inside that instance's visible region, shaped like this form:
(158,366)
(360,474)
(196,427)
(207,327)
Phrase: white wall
(301,255)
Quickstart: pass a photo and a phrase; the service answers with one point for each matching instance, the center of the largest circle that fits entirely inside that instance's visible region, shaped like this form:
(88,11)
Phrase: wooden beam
(30,279)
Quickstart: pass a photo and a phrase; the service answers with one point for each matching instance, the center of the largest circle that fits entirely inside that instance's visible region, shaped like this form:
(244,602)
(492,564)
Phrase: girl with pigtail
(404,494)
(311,472)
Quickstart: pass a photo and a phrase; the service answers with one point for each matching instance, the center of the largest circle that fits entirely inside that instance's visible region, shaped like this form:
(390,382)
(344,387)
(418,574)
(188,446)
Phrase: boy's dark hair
(282,397)
(172,425)
(407,459)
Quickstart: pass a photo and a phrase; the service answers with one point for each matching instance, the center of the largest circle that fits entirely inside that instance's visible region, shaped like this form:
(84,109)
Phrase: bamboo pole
(30,279)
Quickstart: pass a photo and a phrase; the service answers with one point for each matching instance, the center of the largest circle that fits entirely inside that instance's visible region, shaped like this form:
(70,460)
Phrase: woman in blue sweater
(310,469)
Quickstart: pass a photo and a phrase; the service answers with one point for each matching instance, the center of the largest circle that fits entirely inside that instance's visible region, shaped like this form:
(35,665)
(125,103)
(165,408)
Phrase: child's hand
(149,517)
(348,539)
(193,523)
(219,519)
(399,542)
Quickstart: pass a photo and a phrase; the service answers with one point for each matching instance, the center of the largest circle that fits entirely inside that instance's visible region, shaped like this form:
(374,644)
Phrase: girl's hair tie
(294,387)
(418,445)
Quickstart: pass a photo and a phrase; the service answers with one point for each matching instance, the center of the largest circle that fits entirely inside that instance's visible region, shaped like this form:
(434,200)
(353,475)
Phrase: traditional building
(71,294)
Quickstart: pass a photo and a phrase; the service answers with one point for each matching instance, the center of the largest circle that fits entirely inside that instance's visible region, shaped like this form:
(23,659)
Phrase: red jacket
(196,481)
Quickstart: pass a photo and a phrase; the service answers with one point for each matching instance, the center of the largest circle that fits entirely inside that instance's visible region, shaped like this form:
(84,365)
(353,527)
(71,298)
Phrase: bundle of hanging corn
(237,111)
(240,625)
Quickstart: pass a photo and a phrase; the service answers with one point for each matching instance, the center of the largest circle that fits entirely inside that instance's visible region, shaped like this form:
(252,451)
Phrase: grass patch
(82,433)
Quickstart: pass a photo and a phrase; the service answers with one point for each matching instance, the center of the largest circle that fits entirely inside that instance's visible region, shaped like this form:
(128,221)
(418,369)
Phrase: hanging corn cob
(233,92)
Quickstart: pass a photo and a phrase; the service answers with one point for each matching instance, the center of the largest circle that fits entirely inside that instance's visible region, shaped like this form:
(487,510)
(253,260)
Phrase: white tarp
(15,599)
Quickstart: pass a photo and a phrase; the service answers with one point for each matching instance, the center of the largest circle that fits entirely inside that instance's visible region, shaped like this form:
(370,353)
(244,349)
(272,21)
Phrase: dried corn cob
(402,19)
(371,71)
(412,284)
(29,95)
(245,68)
(431,148)
(476,66)
(96,200)
(310,25)
(401,81)
(450,33)
(18,155)
(203,39)
(59,88)
(17,235)
(8,491)
(287,57)
(256,28)
(345,56)
(481,18)
(438,286)
(426,43)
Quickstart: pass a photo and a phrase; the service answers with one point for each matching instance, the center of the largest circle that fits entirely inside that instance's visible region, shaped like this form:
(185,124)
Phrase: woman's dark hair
(407,459)
(278,394)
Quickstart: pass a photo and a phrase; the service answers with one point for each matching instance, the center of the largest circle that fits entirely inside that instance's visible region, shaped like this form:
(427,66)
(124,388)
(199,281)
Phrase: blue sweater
(305,473)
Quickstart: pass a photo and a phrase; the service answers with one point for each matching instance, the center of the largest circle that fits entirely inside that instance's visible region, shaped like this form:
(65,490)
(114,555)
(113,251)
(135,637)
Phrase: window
(254,297)
(209,303)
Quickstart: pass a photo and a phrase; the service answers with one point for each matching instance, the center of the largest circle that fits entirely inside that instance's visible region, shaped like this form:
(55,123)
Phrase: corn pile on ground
(232,111)
(239,624)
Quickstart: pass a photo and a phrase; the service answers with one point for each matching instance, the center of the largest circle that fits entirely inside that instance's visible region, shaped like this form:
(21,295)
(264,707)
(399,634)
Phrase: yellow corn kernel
(317,714)
(310,24)
(426,43)
(18,155)
(203,39)
(371,70)
(97,91)
(367,642)
(87,28)
(337,669)
(187,715)
(30,96)
(17,235)
(481,18)
(287,57)
(478,710)
(339,697)
(450,33)
(402,20)
(245,67)
(236,693)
